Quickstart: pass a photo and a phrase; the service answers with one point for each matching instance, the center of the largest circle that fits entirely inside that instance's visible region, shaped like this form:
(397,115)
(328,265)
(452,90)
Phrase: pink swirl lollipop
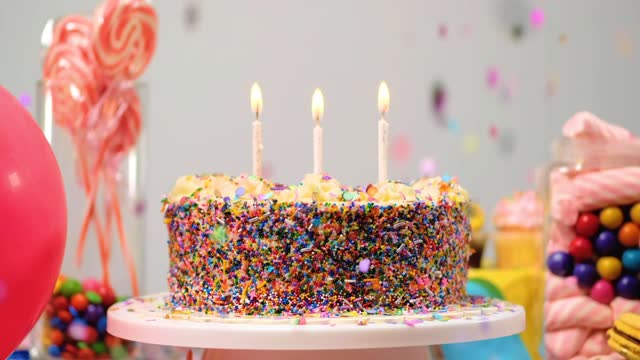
(73,29)
(124,38)
(72,82)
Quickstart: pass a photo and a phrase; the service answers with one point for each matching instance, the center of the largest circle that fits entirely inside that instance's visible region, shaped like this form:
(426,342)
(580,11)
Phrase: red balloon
(33,219)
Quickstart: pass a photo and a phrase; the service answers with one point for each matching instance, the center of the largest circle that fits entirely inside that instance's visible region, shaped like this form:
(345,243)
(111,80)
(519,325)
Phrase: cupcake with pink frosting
(519,222)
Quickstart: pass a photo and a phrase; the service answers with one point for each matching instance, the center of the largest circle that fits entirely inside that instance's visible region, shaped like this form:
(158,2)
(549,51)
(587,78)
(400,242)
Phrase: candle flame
(317,105)
(256,99)
(383,98)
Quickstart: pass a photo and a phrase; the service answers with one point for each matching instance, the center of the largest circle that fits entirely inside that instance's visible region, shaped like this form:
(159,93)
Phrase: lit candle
(256,107)
(317,110)
(383,132)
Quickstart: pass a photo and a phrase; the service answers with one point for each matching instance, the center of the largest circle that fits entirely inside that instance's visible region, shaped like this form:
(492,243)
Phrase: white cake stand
(145,319)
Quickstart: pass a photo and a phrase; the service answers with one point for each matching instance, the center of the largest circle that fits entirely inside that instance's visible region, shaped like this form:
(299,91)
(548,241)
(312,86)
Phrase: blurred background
(479,89)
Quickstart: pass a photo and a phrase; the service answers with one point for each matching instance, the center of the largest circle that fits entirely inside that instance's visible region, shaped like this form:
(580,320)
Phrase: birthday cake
(247,246)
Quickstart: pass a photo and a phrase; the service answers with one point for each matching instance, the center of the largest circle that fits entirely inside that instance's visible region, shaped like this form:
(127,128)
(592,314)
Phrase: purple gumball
(94,313)
(586,274)
(560,263)
(628,287)
(606,243)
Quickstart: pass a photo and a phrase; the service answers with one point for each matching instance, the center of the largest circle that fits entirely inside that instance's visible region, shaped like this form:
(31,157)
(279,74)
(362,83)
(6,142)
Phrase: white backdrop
(199,117)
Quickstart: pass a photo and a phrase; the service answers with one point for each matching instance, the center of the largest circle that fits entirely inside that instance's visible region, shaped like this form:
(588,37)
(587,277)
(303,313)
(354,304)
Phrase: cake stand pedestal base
(406,353)
(405,337)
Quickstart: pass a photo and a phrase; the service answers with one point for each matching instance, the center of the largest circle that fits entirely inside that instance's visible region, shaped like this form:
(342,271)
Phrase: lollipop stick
(108,210)
(89,214)
(115,204)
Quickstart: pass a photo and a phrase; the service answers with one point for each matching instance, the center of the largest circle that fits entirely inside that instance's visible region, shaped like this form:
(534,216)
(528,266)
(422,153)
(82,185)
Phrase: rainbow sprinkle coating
(265,257)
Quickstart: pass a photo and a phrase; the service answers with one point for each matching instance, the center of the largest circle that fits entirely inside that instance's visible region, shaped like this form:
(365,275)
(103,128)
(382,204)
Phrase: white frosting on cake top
(314,187)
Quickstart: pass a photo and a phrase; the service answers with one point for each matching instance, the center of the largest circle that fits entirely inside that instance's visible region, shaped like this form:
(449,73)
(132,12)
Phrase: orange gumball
(629,234)
(56,337)
(79,302)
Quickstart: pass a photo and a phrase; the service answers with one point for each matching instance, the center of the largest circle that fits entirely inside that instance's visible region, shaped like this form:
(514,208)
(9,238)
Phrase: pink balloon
(33,219)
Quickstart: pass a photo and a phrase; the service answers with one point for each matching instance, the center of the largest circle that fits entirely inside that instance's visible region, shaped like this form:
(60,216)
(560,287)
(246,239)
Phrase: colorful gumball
(107,295)
(581,249)
(587,224)
(72,350)
(606,243)
(79,302)
(50,310)
(631,260)
(91,284)
(635,213)
(93,313)
(602,292)
(628,287)
(70,287)
(586,274)
(54,351)
(629,234)
(112,341)
(91,335)
(86,353)
(77,331)
(60,302)
(560,263)
(93,297)
(56,337)
(99,347)
(609,267)
(101,326)
(611,217)
(65,316)
(56,323)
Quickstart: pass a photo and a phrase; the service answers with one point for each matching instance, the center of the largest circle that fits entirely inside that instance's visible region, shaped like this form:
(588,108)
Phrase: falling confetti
(470,144)
(536,18)
(517,31)
(442,31)
(139,208)
(428,166)
(624,44)
(191,15)
(493,131)
(562,39)
(507,142)
(514,16)
(401,148)
(493,78)
(439,101)
(453,125)
(25,100)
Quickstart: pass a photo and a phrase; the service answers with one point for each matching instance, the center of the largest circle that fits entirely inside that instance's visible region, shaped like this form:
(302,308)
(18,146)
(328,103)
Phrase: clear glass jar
(519,247)
(592,255)
(519,222)
(129,185)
